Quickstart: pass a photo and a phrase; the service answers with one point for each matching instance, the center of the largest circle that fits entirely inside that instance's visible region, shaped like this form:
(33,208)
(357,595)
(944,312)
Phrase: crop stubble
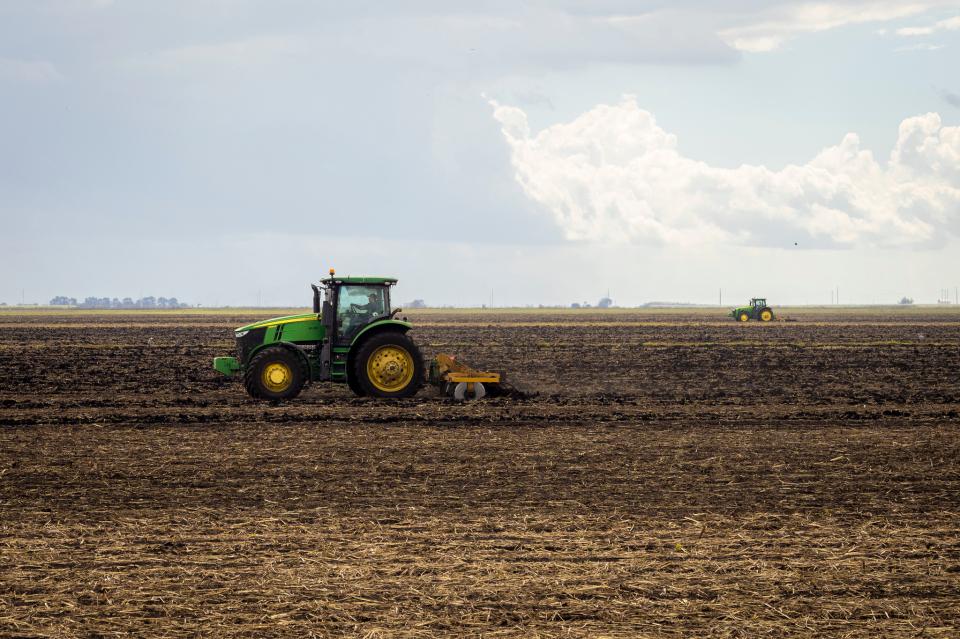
(677,475)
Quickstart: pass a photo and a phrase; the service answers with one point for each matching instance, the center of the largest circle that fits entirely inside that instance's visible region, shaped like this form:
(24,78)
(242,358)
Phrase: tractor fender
(374,328)
(378,326)
(290,346)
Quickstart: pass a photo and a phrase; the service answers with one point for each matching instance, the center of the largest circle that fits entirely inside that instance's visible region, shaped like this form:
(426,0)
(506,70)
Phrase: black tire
(374,346)
(275,358)
(354,385)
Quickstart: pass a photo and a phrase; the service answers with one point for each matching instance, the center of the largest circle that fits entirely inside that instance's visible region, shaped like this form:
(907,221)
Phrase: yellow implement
(460,381)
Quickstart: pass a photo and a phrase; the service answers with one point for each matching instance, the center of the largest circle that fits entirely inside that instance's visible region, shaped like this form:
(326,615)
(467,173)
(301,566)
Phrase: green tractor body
(350,337)
(757,310)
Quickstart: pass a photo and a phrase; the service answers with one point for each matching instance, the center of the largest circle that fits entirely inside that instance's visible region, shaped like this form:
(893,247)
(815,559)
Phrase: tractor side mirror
(316,298)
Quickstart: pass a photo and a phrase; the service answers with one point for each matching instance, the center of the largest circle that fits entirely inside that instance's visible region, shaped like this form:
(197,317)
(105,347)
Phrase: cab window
(358,305)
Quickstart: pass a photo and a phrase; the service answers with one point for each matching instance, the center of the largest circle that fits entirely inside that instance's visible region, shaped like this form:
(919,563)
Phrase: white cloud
(923,46)
(769,29)
(614,175)
(950,24)
(566,34)
(256,51)
(29,71)
(914,31)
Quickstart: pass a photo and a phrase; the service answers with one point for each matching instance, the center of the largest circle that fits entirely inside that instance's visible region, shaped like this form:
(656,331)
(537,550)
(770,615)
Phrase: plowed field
(678,474)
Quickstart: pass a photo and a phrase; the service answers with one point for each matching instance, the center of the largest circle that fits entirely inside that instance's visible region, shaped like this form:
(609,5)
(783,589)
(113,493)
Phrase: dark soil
(676,475)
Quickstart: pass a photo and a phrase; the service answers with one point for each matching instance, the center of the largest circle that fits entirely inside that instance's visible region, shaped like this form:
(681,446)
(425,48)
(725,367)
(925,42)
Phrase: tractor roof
(336,279)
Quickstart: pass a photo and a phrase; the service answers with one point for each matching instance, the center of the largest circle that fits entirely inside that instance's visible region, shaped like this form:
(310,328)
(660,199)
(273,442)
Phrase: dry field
(678,475)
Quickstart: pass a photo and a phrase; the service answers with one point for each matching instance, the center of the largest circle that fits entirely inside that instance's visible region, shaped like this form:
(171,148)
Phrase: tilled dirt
(675,475)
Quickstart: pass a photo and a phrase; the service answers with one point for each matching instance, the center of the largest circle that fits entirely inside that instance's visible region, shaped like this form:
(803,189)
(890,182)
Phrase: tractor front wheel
(744,316)
(389,365)
(275,373)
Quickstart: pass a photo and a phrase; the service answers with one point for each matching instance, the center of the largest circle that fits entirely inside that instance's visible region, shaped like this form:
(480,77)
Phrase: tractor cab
(758,302)
(352,303)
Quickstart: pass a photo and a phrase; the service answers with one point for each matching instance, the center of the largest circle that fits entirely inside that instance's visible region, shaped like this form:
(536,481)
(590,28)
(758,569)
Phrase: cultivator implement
(456,379)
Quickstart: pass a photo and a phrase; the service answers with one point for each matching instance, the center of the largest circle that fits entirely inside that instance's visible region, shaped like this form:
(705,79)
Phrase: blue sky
(217,151)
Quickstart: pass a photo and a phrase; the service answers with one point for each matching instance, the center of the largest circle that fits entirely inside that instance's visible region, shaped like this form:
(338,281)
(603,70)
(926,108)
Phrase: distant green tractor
(758,310)
(351,337)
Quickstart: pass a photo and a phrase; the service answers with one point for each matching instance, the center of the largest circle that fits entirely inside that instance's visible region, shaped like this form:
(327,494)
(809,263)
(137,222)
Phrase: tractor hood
(274,321)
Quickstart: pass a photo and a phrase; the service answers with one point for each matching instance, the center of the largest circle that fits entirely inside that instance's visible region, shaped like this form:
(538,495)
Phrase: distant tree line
(605,302)
(106,302)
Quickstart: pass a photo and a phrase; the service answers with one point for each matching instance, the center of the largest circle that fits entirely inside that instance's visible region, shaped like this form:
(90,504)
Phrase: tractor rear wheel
(744,316)
(275,373)
(766,315)
(389,365)
(354,385)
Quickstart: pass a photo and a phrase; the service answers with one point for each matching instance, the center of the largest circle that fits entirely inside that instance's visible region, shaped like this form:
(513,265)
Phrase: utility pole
(721,297)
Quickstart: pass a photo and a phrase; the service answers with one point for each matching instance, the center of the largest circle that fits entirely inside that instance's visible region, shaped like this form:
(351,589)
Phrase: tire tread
(251,376)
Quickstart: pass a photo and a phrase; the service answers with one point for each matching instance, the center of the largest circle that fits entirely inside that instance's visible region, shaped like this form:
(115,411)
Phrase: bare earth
(679,474)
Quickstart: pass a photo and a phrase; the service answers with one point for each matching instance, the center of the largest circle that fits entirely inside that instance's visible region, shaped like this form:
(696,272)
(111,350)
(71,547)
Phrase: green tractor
(758,310)
(352,336)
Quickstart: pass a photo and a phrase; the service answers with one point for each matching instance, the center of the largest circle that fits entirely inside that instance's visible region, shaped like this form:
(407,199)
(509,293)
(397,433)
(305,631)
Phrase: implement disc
(463,391)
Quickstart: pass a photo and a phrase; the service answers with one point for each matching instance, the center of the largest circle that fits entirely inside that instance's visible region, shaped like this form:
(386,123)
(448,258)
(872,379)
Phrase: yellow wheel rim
(744,317)
(390,368)
(766,316)
(276,377)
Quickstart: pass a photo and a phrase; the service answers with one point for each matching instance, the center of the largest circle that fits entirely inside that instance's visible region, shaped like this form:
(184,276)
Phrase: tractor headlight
(239,334)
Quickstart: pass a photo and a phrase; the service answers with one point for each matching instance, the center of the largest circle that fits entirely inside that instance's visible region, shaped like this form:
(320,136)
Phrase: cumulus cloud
(614,175)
